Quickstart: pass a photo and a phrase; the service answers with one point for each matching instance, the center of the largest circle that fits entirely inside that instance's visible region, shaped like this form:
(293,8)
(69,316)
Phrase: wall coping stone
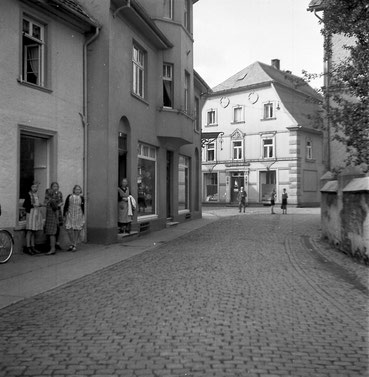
(331,186)
(357,184)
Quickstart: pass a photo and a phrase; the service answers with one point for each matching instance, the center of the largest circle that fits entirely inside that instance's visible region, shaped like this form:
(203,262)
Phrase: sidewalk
(24,276)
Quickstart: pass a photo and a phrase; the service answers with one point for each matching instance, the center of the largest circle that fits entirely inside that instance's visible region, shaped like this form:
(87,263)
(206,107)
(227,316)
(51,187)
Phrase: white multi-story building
(261,131)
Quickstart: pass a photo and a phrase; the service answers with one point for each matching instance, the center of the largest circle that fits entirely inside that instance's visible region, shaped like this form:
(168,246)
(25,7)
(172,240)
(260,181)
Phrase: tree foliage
(348,87)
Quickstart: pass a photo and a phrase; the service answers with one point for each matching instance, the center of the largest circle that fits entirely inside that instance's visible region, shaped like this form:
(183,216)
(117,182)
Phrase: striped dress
(34,219)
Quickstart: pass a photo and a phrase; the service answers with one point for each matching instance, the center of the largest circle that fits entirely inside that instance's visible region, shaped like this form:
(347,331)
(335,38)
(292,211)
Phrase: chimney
(275,63)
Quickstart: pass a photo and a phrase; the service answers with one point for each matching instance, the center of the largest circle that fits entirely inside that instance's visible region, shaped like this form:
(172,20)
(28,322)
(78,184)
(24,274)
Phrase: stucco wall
(345,213)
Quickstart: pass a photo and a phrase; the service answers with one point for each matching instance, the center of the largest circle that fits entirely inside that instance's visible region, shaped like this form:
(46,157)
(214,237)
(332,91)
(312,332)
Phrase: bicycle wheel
(6,245)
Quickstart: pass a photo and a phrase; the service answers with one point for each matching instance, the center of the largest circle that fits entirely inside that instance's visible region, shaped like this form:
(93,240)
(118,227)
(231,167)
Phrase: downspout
(327,69)
(85,122)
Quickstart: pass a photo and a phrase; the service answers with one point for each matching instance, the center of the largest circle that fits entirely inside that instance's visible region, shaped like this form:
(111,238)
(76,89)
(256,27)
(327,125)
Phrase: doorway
(122,157)
(267,184)
(169,183)
(237,181)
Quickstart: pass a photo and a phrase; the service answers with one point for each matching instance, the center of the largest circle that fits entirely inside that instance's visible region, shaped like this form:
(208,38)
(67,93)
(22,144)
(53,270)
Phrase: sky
(232,34)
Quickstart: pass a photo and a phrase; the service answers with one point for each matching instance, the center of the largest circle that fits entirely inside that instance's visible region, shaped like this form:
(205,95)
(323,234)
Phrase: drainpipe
(327,67)
(85,122)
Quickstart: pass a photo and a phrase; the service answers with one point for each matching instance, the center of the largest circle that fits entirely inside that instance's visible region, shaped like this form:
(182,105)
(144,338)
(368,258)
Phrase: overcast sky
(232,34)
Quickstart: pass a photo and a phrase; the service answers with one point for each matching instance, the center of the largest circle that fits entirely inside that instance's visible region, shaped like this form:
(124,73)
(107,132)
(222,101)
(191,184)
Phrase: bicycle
(6,244)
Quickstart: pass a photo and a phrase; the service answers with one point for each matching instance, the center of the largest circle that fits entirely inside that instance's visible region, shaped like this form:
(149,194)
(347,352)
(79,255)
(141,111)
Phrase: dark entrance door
(169,183)
(237,181)
(122,157)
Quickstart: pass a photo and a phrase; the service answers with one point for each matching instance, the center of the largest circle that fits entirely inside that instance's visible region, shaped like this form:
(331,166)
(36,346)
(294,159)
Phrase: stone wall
(345,211)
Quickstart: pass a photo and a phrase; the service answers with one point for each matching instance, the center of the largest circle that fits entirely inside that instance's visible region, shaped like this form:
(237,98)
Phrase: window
(197,114)
(309,149)
(138,71)
(268,148)
(238,114)
(211,117)
(210,152)
(211,187)
(146,180)
(237,149)
(183,183)
(268,110)
(168,9)
(34,166)
(168,85)
(33,65)
(187,93)
(187,15)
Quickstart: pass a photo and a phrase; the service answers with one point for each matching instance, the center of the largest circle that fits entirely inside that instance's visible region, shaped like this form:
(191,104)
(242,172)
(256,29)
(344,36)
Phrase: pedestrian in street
(284,201)
(74,209)
(54,217)
(34,219)
(126,207)
(241,198)
(272,201)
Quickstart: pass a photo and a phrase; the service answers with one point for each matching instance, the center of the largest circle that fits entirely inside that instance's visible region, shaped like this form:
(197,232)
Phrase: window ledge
(34,86)
(310,159)
(139,98)
(211,125)
(266,119)
(239,122)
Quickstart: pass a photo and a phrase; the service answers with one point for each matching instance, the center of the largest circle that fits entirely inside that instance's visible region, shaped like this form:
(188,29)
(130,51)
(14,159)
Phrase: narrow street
(249,295)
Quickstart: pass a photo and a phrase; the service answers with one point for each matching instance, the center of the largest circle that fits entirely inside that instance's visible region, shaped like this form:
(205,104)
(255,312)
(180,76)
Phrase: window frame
(267,147)
(208,117)
(185,161)
(267,114)
(237,148)
(309,149)
(197,114)
(187,92)
(168,79)
(187,15)
(139,66)
(168,9)
(34,41)
(242,115)
(210,149)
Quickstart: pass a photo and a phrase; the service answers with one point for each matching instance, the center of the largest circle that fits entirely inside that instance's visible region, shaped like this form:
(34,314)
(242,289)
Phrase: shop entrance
(237,181)
(267,184)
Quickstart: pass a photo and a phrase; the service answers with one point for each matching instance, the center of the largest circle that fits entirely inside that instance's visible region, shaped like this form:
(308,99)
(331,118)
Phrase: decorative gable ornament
(237,135)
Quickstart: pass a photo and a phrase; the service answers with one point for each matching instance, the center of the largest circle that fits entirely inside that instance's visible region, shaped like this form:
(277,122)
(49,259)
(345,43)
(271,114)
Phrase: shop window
(33,166)
(33,48)
(183,183)
(146,180)
(168,85)
(211,187)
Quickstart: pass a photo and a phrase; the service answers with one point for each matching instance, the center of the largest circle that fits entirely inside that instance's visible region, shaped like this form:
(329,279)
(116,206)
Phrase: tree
(348,81)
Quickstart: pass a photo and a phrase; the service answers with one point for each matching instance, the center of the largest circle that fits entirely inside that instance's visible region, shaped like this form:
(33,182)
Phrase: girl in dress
(74,209)
(34,220)
(54,218)
(284,201)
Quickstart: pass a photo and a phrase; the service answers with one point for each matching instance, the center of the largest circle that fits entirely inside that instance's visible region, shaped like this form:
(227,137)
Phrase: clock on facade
(253,97)
(224,102)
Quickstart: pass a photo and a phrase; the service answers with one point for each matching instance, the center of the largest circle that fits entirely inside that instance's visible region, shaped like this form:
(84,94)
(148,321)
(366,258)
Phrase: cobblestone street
(249,295)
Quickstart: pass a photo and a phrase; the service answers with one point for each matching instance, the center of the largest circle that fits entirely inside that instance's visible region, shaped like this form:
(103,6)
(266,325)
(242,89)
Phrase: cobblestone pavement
(249,295)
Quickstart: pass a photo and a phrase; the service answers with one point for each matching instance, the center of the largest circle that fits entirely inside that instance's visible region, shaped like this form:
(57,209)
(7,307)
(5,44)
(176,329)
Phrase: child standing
(34,220)
(241,197)
(272,201)
(284,201)
(74,209)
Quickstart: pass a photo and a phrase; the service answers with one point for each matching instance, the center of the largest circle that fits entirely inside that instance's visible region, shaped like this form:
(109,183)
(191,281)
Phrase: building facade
(261,131)
(41,74)
(141,115)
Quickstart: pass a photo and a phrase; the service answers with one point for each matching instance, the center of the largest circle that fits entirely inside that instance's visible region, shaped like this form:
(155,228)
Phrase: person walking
(241,198)
(124,215)
(272,201)
(74,209)
(284,201)
(34,219)
(54,218)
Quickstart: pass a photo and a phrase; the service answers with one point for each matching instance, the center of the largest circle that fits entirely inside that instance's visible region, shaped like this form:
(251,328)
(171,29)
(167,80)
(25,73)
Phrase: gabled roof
(259,74)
